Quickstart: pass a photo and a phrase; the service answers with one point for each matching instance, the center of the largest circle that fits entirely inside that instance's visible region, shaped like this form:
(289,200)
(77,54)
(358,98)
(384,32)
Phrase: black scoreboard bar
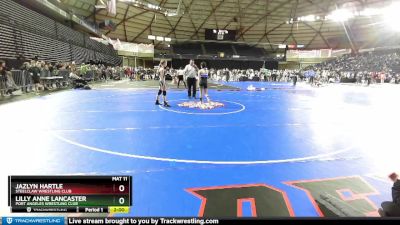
(88,194)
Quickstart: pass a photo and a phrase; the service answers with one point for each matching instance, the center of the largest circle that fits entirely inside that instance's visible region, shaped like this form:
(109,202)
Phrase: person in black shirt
(227,75)
(26,78)
(368,78)
(34,70)
(181,76)
(7,82)
(294,79)
(397,79)
(59,66)
(392,209)
(3,78)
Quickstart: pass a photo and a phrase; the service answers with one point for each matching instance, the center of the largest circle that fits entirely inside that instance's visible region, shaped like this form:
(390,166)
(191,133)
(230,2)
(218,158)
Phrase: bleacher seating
(31,34)
(214,48)
(69,35)
(81,55)
(246,50)
(27,18)
(222,63)
(92,44)
(7,46)
(46,48)
(188,48)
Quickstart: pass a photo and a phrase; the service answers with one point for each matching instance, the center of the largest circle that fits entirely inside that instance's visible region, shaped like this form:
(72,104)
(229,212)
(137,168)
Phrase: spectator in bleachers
(128,72)
(3,79)
(11,86)
(294,79)
(25,66)
(180,74)
(83,69)
(59,65)
(45,73)
(27,80)
(34,70)
(72,67)
(103,72)
(109,72)
(78,82)
(117,73)
(51,69)
(8,84)
(227,74)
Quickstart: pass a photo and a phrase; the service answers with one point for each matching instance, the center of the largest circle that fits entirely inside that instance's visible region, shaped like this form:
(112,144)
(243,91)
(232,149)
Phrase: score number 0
(121,200)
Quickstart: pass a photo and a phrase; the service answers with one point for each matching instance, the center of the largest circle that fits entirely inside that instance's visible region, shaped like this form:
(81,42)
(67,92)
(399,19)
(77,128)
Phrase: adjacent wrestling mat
(283,151)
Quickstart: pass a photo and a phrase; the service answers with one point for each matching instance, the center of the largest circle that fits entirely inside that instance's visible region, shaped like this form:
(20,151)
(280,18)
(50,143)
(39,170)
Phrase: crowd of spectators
(38,75)
(246,75)
(369,67)
(141,73)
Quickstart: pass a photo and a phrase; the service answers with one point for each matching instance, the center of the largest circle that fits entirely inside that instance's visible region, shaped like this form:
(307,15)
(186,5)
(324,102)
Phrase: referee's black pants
(191,83)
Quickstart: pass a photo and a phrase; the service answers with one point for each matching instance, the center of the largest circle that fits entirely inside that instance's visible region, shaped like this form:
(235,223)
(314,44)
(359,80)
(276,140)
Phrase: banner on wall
(133,49)
(146,50)
(340,52)
(312,54)
(129,49)
(303,54)
(308,54)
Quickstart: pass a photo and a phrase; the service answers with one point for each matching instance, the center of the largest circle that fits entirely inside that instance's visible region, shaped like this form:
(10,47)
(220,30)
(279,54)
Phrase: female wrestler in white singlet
(163,85)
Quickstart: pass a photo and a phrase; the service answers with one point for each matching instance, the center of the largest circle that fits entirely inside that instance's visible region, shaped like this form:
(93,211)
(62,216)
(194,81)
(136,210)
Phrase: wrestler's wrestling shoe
(157,102)
(208,99)
(166,104)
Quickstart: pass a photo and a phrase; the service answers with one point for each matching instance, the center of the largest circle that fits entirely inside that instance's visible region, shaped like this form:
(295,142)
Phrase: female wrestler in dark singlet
(203,76)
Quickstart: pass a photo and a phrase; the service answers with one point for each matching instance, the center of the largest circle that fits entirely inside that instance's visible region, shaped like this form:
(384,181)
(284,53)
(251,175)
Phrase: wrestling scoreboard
(69,194)
(220,35)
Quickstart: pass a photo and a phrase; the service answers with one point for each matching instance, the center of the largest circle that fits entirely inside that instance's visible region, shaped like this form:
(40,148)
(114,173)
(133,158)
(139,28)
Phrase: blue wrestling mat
(267,153)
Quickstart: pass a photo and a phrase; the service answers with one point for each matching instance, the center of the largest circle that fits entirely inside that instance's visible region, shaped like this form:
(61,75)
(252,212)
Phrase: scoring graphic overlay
(83,194)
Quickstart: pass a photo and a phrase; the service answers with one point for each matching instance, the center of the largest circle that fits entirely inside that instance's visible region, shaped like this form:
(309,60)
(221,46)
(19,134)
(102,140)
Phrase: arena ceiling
(262,22)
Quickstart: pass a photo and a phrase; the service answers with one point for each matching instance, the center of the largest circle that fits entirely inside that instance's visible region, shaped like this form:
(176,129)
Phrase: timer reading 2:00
(119,209)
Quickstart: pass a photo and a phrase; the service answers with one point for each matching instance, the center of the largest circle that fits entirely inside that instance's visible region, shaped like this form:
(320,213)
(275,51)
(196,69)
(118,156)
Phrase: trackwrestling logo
(33,220)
